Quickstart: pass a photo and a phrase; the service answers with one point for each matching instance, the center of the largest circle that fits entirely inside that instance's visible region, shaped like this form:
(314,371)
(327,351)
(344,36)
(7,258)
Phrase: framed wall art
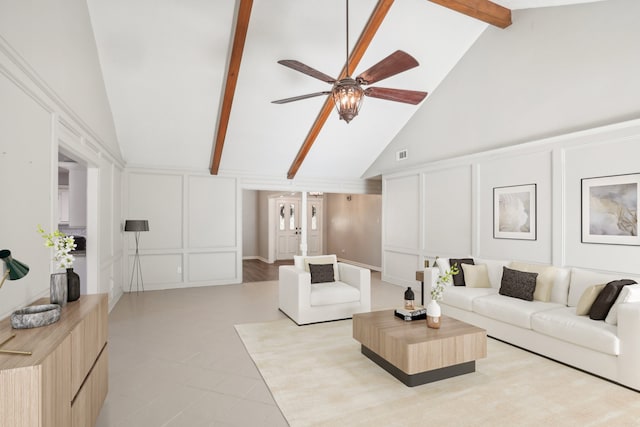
(514,212)
(610,209)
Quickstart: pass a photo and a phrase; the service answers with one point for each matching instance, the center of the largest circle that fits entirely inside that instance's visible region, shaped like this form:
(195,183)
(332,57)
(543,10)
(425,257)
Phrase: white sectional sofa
(553,328)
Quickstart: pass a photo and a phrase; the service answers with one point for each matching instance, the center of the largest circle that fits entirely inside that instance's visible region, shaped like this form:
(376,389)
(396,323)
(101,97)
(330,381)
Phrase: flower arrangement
(62,246)
(438,289)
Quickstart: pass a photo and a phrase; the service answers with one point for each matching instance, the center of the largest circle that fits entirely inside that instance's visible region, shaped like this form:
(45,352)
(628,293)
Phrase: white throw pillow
(476,276)
(544,281)
(629,293)
(588,298)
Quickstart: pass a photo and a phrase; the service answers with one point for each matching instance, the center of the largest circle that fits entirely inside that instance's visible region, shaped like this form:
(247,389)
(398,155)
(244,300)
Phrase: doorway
(287,229)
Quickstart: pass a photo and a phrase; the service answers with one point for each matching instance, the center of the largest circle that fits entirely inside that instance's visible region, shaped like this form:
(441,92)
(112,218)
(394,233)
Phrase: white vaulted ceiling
(164,64)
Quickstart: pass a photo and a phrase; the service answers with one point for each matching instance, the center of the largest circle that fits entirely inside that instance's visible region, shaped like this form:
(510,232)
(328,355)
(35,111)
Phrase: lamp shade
(15,269)
(136,225)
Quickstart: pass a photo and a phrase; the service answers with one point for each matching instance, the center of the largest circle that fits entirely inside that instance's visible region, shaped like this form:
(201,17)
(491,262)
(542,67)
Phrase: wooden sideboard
(65,380)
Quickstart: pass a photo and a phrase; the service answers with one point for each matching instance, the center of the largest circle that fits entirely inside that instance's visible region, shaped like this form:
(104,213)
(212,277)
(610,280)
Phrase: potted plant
(64,286)
(433,308)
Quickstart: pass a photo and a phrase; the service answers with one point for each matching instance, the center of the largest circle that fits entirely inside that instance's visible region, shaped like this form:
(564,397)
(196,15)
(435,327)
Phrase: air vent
(402,154)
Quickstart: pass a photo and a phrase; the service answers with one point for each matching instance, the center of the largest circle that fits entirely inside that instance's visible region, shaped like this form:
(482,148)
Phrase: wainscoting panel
(211,211)
(613,156)
(158,271)
(157,198)
(401,211)
(516,169)
(447,218)
(400,268)
(213,267)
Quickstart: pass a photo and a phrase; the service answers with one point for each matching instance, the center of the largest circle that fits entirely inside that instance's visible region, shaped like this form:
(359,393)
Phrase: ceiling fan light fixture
(347,95)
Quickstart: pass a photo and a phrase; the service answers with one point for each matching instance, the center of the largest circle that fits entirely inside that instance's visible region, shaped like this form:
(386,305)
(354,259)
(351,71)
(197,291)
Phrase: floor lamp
(136,226)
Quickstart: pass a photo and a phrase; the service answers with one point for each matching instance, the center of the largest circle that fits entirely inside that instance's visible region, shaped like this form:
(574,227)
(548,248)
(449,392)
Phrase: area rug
(318,377)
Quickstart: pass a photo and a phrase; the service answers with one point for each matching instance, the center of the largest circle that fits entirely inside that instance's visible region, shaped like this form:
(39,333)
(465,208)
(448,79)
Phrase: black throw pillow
(458,279)
(606,298)
(518,284)
(321,273)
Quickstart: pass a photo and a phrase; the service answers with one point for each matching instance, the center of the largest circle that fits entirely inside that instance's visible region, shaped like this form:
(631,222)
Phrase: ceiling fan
(348,93)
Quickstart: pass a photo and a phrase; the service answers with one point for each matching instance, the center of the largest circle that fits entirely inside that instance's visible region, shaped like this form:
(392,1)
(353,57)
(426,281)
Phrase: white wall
(195,225)
(52,96)
(456,209)
(250,221)
(354,228)
(555,70)
(55,37)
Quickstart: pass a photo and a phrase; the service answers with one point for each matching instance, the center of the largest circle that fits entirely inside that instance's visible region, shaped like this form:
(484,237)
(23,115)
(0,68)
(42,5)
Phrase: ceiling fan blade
(399,95)
(393,64)
(298,98)
(299,66)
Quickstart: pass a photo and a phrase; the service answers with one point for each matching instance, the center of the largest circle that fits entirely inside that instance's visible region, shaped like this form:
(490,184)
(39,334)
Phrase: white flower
(438,289)
(62,246)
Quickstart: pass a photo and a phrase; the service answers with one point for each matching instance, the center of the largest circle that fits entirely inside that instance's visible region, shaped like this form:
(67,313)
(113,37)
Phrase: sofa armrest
(629,358)
(294,289)
(357,277)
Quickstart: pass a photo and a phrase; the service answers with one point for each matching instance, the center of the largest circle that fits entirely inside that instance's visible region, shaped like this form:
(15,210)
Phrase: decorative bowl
(35,316)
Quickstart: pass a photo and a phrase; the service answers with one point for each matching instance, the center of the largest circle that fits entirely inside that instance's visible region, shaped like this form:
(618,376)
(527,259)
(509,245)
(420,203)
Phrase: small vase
(73,285)
(58,290)
(433,315)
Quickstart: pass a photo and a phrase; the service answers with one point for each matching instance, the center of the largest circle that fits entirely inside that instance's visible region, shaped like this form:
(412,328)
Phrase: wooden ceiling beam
(376,18)
(484,10)
(239,37)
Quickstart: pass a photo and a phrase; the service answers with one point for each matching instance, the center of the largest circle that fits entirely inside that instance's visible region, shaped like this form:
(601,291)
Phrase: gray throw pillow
(518,284)
(321,273)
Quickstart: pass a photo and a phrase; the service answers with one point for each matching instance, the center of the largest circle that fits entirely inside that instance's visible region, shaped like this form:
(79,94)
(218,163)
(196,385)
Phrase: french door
(288,228)
(314,226)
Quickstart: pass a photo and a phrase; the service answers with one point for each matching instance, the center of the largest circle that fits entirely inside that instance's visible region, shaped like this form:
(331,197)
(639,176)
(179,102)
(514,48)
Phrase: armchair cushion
(333,293)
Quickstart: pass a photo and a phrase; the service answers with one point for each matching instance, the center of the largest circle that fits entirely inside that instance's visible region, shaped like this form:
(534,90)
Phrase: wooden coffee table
(416,354)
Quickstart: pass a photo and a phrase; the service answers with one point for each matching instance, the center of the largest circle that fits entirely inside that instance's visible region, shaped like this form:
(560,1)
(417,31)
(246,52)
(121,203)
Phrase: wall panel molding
(555,165)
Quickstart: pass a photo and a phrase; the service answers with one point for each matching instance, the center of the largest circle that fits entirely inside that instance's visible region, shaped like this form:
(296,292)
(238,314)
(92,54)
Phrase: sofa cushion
(476,276)
(321,273)
(606,298)
(518,284)
(462,297)
(588,297)
(333,293)
(458,279)
(630,293)
(562,323)
(494,270)
(514,311)
(544,281)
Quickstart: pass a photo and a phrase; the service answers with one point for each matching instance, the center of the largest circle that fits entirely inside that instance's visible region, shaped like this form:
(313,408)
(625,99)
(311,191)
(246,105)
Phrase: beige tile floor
(175,358)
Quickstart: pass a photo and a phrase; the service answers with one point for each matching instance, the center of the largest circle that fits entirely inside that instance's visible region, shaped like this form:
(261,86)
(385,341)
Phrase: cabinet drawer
(87,340)
(88,402)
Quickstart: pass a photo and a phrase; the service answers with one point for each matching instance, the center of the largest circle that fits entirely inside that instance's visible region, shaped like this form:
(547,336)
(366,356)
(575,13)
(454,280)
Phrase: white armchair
(306,303)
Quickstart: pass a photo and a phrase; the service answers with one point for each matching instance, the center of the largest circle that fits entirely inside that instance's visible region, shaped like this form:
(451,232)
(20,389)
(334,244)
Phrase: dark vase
(73,285)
